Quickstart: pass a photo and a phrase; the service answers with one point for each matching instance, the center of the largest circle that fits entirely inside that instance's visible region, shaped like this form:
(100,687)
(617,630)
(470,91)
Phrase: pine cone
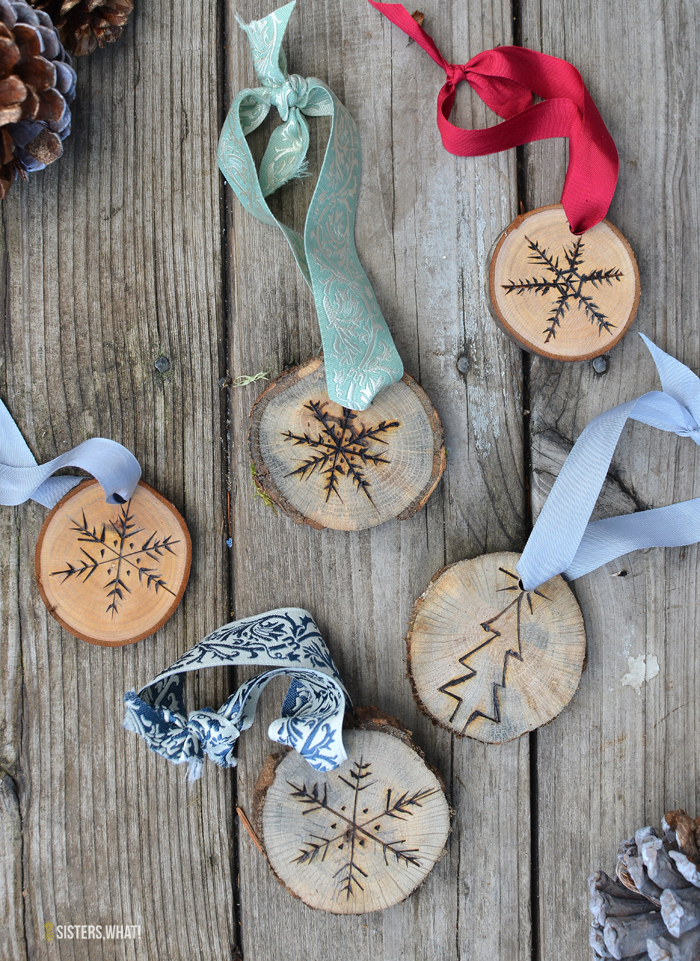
(87,24)
(652,911)
(37,84)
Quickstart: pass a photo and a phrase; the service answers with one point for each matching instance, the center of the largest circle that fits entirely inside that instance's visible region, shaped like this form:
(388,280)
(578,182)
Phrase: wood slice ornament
(112,574)
(563,281)
(359,838)
(329,466)
(563,296)
(489,659)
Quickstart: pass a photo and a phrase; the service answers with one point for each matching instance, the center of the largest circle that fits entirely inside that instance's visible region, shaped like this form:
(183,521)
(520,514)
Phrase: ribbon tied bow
(312,713)
(505,78)
(359,354)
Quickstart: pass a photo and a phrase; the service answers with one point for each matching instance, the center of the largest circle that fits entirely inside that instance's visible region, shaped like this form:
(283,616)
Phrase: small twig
(249,828)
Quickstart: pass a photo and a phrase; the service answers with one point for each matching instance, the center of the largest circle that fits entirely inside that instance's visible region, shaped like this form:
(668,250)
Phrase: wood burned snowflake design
(117,550)
(344,446)
(566,285)
(351,827)
(362,836)
(112,574)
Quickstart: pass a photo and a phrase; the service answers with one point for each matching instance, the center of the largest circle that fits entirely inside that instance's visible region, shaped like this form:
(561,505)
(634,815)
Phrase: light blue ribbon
(21,478)
(562,540)
(359,354)
(312,712)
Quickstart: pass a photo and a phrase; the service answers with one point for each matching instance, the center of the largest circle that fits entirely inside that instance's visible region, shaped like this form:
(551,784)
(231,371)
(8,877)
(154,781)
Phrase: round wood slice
(112,574)
(348,470)
(560,295)
(488,659)
(359,838)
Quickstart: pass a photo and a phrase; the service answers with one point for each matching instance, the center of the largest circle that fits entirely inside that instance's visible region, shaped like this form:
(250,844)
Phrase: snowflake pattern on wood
(341,448)
(569,282)
(353,830)
(121,553)
(490,683)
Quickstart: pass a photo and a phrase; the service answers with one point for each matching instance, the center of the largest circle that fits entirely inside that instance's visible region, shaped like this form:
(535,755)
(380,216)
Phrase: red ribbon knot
(506,78)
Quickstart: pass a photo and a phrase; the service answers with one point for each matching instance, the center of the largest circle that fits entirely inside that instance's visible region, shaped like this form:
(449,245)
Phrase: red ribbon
(506,78)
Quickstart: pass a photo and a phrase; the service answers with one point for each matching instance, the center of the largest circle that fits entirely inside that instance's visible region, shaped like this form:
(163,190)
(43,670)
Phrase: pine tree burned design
(121,552)
(569,283)
(487,658)
(490,682)
(112,573)
(358,838)
(563,296)
(341,448)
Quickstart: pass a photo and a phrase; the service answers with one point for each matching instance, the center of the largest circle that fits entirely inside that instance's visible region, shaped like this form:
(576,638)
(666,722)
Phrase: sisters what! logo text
(90,932)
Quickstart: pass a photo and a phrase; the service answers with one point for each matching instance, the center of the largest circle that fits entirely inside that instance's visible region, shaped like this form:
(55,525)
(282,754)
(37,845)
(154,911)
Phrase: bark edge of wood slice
(555,293)
(489,660)
(317,830)
(345,470)
(112,574)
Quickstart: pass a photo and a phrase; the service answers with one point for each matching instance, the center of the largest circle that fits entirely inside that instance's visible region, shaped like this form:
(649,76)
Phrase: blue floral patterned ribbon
(312,713)
(563,540)
(359,354)
(21,478)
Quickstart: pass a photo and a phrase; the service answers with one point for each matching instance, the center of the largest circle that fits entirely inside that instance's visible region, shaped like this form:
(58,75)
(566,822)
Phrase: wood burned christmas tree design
(118,551)
(112,574)
(487,669)
(359,838)
(564,286)
(563,296)
(328,466)
(342,447)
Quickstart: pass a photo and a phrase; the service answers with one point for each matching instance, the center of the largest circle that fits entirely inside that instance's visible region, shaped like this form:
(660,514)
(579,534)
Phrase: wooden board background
(129,249)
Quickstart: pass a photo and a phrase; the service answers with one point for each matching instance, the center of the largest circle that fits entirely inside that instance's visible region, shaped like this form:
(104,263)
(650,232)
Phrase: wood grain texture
(111,258)
(615,760)
(426,222)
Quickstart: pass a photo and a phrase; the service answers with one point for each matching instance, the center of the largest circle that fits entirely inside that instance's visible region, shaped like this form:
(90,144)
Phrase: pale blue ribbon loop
(563,541)
(359,353)
(21,478)
(312,714)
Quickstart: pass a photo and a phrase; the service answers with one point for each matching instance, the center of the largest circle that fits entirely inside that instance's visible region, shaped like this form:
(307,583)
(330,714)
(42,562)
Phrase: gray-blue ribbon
(359,353)
(21,478)
(312,713)
(563,540)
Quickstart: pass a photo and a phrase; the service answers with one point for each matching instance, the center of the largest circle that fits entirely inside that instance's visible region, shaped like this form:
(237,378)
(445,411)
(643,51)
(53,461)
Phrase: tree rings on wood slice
(564,296)
(359,838)
(112,574)
(488,659)
(328,466)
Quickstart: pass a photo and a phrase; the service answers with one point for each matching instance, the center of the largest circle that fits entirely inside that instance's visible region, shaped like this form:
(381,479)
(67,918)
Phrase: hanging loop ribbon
(21,478)
(312,713)
(506,78)
(563,541)
(359,353)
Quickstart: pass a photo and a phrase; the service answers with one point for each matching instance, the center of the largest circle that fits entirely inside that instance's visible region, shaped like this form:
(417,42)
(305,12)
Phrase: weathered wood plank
(113,258)
(425,224)
(615,761)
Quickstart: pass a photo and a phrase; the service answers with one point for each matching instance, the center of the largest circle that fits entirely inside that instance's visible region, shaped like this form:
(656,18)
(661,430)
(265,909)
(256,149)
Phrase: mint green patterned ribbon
(359,354)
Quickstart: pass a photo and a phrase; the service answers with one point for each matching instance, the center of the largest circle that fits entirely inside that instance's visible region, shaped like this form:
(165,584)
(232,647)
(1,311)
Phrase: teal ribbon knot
(359,353)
